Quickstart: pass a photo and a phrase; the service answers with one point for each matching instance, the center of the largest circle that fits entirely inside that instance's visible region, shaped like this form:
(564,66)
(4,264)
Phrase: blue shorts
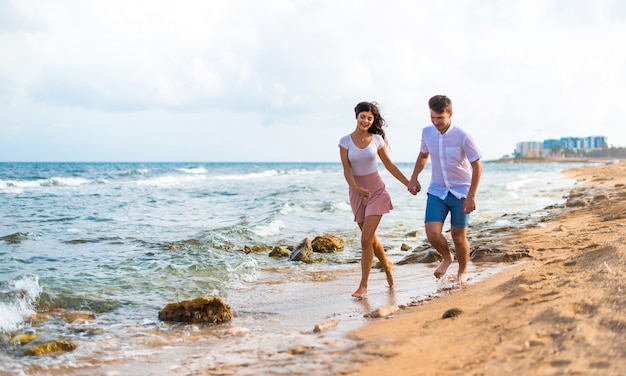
(437,210)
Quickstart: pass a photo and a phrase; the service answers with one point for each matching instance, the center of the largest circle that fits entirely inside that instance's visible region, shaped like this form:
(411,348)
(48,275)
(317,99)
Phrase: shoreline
(553,160)
(560,312)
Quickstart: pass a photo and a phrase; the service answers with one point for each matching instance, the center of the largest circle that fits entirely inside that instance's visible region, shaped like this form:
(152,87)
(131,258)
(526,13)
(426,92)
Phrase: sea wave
(20,186)
(50,182)
(170,180)
(193,170)
(253,175)
(64,182)
(17,299)
(272,228)
(332,207)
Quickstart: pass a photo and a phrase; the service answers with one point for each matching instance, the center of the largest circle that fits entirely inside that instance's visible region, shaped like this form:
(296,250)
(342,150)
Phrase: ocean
(121,240)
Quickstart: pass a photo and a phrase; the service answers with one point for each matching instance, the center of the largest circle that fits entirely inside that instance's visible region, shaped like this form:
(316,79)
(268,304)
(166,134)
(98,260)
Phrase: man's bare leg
(462,250)
(438,241)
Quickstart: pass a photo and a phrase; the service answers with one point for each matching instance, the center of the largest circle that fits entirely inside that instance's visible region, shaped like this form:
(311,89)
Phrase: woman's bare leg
(379,252)
(368,234)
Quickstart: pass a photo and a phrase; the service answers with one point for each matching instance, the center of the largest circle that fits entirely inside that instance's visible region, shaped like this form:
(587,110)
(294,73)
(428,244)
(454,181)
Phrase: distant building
(557,148)
(529,149)
(552,144)
(583,143)
(597,142)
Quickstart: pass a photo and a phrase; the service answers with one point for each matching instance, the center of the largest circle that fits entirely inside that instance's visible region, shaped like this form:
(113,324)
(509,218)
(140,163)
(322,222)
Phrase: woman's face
(364,120)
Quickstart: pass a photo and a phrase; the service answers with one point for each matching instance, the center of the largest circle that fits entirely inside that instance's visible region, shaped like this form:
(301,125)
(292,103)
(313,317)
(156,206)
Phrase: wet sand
(561,311)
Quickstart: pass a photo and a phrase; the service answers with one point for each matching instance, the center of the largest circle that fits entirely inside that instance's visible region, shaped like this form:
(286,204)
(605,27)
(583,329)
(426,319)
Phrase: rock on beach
(200,310)
(327,244)
(303,253)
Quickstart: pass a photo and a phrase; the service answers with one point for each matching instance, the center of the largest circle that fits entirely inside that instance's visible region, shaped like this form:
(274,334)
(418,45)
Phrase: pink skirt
(379,201)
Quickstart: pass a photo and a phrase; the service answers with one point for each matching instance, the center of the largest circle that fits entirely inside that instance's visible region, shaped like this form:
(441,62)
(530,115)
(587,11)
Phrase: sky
(277,80)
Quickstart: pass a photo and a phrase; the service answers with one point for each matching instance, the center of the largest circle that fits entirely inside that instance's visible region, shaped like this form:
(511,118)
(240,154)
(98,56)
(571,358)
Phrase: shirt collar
(447,130)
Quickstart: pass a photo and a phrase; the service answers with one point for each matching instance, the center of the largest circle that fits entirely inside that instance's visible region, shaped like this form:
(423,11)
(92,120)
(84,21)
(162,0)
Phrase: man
(456,170)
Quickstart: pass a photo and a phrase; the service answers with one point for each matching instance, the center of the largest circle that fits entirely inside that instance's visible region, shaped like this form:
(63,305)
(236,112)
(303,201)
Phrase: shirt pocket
(454,155)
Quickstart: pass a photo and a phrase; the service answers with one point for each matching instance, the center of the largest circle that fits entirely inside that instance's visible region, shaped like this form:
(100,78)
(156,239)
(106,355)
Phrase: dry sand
(561,312)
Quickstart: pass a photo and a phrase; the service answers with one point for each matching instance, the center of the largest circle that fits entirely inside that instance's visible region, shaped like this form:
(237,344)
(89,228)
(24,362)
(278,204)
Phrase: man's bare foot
(443,267)
(388,273)
(462,279)
(360,292)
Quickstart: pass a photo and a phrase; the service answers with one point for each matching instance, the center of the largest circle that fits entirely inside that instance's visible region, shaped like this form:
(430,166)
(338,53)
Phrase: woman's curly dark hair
(379,121)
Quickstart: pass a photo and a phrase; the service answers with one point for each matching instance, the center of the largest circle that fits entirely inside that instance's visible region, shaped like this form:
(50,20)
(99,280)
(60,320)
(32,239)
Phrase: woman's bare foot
(360,292)
(388,269)
(443,267)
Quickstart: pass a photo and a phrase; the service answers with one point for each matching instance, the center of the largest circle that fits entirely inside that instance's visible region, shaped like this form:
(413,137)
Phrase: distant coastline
(553,160)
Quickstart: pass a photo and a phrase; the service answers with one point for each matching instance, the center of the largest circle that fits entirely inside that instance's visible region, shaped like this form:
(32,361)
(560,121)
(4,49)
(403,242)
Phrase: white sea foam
(17,302)
(286,208)
(254,175)
(304,172)
(272,228)
(239,274)
(7,186)
(170,180)
(333,207)
(18,186)
(65,182)
(343,205)
(194,170)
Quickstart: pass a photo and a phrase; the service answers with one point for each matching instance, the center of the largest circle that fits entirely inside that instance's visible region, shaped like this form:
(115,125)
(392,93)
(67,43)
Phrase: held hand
(414,187)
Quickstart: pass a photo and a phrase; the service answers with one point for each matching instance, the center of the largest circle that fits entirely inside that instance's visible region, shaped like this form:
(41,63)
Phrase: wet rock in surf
(14,238)
(303,253)
(493,253)
(200,310)
(328,324)
(50,348)
(22,339)
(77,316)
(383,311)
(420,258)
(255,249)
(70,317)
(327,244)
(576,203)
(279,252)
(38,319)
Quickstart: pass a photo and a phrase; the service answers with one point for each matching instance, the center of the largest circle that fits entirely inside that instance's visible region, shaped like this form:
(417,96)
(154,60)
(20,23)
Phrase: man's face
(440,121)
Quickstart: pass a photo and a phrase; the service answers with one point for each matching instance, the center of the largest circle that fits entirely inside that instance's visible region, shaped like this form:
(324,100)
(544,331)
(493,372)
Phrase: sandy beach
(560,312)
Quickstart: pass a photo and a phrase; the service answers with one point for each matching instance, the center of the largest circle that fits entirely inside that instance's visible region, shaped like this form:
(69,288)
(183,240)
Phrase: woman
(368,197)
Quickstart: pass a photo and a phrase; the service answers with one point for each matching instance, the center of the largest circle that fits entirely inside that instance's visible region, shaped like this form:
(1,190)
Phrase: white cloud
(274,79)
